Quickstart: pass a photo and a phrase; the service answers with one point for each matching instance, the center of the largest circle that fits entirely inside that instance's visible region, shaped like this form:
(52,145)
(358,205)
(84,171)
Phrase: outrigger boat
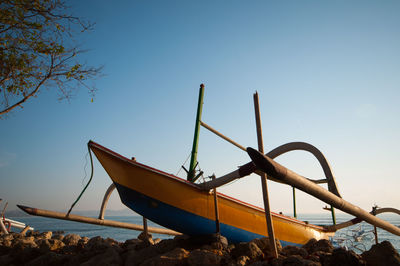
(192,208)
(183,206)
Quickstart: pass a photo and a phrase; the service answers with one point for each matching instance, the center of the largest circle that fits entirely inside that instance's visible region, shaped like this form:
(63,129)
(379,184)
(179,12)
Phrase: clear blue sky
(327,73)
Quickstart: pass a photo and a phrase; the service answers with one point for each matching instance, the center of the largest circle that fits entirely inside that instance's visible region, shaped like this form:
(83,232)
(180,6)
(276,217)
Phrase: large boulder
(135,257)
(49,244)
(294,250)
(296,260)
(23,243)
(321,245)
(58,237)
(200,257)
(45,235)
(382,254)
(178,256)
(166,245)
(109,257)
(99,243)
(265,245)
(49,258)
(71,239)
(340,256)
(249,249)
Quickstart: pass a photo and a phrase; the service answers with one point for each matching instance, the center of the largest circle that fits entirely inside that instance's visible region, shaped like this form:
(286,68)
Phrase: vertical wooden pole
(294,203)
(145,228)
(268,217)
(217,227)
(333,215)
(374,208)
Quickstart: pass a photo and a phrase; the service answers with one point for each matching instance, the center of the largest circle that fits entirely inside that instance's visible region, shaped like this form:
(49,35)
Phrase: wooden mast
(193,159)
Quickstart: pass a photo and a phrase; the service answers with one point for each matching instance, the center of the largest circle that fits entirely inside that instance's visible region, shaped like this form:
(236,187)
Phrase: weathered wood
(3,228)
(107,195)
(89,220)
(358,220)
(222,136)
(268,218)
(217,226)
(23,232)
(145,227)
(280,172)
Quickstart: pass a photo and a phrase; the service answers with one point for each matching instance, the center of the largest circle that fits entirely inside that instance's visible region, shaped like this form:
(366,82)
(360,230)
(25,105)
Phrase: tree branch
(26,97)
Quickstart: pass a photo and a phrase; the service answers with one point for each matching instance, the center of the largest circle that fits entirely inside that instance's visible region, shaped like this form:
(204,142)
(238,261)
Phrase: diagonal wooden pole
(268,217)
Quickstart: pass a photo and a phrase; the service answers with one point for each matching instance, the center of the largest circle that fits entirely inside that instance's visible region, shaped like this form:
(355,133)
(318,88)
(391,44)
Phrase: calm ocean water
(349,237)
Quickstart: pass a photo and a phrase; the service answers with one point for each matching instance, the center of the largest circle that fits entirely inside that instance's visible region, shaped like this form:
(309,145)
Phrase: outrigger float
(186,207)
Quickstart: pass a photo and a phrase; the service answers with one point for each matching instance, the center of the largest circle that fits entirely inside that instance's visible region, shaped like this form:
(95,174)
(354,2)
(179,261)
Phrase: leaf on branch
(35,53)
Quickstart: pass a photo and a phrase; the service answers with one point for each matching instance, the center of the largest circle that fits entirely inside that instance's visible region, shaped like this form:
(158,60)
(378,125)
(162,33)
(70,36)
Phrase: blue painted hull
(180,220)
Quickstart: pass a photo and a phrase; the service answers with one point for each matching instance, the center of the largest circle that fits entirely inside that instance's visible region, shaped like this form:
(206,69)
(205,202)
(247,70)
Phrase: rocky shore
(50,248)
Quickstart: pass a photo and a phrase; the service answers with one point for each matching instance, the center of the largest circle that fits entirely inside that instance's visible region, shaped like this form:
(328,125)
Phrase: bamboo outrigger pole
(89,220)
(268,218)
(272,168)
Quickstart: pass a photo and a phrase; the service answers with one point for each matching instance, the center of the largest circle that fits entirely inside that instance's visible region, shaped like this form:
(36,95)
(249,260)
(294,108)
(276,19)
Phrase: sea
(358,237)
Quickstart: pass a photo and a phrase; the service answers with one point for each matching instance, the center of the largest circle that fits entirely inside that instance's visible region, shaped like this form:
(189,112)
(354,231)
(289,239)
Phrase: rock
(23,243)
(45,235)
(135,257)
(178,256)
(6,243)
(82,242)
(147,239)
(33,233)
(309,245)
(249,249)
(144,237)
(293,250)
(22,257)
(203,257)
(320,245)
(165,245)
(382,254)
(71,239)
(6,260)
(296,260)
(131,243)
(49,244)
(242,260)
(49,258)
(58,237)
(265,246)
(340,256)
(98,242)
(276,261)
(260,263)
(8,237)
(109,257)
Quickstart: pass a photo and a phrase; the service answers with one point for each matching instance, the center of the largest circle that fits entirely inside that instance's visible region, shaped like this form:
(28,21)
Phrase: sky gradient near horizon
(327,73)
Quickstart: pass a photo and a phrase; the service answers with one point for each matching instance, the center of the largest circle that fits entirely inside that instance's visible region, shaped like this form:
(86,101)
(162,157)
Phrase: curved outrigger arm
(333,228)
(250,168)
(274,169)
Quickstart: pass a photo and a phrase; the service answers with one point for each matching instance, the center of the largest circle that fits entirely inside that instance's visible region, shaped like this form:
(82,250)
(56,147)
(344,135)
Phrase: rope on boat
(90,179)
(180,168)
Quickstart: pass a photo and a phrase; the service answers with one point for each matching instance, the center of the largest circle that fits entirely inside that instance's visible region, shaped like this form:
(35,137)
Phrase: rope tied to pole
(90,180)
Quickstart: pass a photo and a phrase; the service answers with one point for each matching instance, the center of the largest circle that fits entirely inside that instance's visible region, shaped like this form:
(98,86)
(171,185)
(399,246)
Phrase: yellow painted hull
(180,205)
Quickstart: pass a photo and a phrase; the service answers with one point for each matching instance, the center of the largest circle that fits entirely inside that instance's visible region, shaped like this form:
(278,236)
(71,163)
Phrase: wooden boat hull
(181,206)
